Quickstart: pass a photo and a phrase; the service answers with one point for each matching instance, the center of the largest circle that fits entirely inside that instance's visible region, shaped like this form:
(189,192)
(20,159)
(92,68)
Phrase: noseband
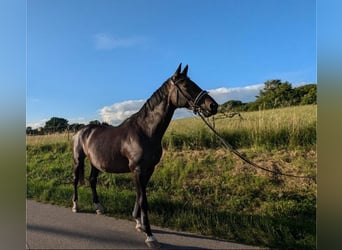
(194,104)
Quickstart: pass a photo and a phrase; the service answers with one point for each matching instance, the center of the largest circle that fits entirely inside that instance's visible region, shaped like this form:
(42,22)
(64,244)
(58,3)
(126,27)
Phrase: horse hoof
(139,227)
(151,242)
(98,208)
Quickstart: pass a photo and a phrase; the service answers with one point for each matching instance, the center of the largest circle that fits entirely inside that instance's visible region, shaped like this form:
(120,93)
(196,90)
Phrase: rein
(197,110)
(245,159)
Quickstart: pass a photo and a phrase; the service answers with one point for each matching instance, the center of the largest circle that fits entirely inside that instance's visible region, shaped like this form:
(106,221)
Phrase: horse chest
(152,156)
(147,155)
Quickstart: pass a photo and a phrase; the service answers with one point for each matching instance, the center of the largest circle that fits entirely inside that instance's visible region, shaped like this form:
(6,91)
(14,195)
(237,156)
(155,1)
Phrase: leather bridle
(193,102)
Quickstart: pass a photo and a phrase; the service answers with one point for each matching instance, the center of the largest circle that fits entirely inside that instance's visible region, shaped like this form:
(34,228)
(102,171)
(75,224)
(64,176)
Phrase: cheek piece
(192,103)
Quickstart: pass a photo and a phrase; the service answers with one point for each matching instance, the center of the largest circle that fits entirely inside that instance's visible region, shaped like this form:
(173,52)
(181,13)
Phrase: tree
(275,94)
(29,130)
(56,124)
(75,126)
(231,105)
(306,94)
(310,97)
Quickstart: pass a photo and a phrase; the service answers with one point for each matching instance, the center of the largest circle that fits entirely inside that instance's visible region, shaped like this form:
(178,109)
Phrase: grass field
(200,187)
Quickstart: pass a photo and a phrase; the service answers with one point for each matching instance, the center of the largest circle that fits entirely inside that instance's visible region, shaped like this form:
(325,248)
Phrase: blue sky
(90,59)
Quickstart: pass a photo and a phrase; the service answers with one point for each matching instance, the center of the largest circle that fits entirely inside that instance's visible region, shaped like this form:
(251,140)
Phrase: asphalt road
(53,227)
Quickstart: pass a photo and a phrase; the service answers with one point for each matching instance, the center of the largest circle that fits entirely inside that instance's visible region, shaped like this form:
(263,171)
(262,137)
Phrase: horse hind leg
(93,181)
(78,176)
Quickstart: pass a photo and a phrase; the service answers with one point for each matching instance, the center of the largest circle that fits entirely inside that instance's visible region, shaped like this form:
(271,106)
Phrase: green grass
(293,127)
(200,187)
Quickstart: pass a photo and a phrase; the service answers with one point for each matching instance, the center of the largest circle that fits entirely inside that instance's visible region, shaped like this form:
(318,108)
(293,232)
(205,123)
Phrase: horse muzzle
(209,107)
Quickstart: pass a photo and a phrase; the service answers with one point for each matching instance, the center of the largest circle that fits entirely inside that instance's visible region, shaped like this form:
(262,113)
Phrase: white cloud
(37,124)
(117,112)
(244,94)
(105,41)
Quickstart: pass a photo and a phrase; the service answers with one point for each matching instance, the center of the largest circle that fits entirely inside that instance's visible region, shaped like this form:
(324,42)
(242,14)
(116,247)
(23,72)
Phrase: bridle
(193,103)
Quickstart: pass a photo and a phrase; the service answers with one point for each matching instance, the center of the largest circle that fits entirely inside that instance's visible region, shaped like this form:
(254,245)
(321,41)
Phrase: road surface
(53,227)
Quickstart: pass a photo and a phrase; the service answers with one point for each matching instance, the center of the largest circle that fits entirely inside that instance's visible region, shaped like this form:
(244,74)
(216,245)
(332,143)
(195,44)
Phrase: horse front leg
(137,213)
(141,207)
(137,206)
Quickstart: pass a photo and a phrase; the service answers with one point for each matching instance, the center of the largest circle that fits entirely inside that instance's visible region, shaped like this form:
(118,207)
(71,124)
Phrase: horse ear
(185,70)
(178,71)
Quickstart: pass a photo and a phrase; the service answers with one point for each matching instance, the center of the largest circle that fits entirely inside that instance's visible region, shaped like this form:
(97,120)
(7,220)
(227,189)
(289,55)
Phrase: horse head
(186,93)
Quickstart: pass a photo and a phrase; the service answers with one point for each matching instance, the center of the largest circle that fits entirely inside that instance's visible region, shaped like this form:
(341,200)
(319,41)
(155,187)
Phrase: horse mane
(154,100)
(156,97)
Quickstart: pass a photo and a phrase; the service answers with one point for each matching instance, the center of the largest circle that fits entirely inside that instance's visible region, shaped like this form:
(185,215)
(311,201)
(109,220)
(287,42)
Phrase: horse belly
(117,165)
(114,164)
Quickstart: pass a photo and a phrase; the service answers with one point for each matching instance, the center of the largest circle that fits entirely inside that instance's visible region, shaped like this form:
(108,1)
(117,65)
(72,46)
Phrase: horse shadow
(182,235)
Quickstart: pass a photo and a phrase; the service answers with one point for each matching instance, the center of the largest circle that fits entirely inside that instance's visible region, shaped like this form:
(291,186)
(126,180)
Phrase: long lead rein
(237,153)
(197,111)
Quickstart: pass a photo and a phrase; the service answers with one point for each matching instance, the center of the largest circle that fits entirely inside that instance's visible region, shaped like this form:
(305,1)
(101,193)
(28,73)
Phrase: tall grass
(49,139)
(200,187)
(286,128)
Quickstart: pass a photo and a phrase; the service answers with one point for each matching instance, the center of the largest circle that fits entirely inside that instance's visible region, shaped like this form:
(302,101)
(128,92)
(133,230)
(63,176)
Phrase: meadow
(200,187)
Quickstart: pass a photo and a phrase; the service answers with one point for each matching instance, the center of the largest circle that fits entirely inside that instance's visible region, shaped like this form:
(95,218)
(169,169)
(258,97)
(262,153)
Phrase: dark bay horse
(135,145)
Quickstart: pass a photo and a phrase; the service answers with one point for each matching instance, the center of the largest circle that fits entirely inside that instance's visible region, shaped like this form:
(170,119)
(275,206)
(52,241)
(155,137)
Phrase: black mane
(156,98)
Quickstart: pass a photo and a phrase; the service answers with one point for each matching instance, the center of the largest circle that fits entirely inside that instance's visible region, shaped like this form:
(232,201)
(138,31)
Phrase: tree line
(275,94)
(58,125)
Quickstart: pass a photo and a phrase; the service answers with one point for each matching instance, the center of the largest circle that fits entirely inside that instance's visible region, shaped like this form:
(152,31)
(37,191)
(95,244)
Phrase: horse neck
(156,114)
